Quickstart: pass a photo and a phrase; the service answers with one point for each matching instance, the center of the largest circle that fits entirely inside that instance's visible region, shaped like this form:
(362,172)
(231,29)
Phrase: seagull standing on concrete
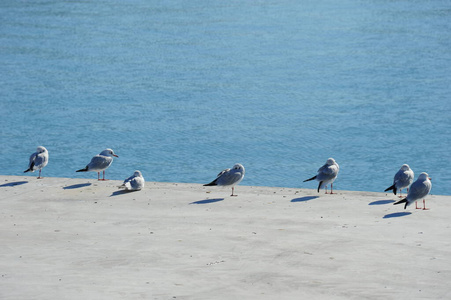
(100,163)
(403,179)
(134,182)
(418,190)
(229,177)
(326,174)
(38,160)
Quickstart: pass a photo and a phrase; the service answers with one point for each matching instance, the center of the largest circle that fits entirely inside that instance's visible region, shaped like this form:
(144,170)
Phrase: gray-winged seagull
(403,179)
(134,182)
(326,174)
(229,177)
(38,160)
(100,163)
(418,190)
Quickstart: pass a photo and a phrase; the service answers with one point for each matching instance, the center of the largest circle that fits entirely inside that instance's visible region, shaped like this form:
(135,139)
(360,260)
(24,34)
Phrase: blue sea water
(183,89)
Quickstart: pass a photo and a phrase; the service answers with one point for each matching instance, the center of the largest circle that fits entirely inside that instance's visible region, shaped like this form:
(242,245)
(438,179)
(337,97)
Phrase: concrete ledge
(83,239)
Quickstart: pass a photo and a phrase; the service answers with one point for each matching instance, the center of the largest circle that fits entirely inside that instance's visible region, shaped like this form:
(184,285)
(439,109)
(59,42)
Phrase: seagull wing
(326,173)
(99,163)
(229,177)
(32,161)
(419,190)
(40,161)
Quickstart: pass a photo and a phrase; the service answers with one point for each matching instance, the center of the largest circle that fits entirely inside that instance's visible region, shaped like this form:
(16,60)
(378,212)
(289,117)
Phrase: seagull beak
(115,155)
(430,178)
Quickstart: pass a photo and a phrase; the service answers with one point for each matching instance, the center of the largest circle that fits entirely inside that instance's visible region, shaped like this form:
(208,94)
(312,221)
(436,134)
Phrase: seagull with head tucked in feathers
(403,178)
(38,160)
(326,174)
(229,177)
(134,182)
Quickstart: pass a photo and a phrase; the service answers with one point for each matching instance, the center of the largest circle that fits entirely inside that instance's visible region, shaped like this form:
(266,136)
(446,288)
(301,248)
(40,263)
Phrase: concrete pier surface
(65,238)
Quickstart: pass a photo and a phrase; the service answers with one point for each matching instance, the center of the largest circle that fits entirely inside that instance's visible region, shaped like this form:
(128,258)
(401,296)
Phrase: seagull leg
(326,189)
(233,189)
(416,205)
(39,177)
(103,179)
(331,188)
(400,194)
(424,205)
(98,176)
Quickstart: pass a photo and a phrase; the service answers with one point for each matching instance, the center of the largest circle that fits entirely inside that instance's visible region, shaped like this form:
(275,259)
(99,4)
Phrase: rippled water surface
(183,89)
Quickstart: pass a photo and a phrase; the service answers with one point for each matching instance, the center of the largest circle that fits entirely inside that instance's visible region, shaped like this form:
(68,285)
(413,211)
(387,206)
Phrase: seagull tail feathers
(211,183)
(402,201)
(319,185)
(83,170)
(30,168)
(391,188)
(314,177)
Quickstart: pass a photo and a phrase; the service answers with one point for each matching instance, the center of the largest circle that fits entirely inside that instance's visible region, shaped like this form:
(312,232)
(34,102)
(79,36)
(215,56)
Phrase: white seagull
(100,163)
(229,177)
(326,174)
(38,160)
(418,190)
(403,179)
(134,182)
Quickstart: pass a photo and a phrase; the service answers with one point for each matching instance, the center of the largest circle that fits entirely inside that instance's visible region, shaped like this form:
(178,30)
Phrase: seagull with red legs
(229,177)
(38,160)
(100,163)
(418,190)
(326,174)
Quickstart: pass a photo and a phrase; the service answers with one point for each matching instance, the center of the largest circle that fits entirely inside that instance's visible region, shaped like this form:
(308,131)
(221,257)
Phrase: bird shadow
(122,192)
(381,202)
(303,199)
(207,201)
(397,215)
(76,186)
(13,183)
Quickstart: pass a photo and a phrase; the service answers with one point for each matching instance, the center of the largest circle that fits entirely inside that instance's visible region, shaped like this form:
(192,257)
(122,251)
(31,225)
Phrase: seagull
(38,160)
(326,174)
(229,177)
(134,182)
(418,190)
(100,162)
(403,179)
